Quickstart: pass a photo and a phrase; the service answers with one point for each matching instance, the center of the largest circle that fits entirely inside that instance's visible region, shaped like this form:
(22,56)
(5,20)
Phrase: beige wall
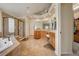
(66,28)
(31,27)
(0,21)
(58,30)
(64,32)
(27,27)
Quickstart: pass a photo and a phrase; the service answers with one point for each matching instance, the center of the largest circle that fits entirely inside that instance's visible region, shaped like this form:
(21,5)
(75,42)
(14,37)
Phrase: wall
(64,32)
(58,29)
(0,21)
(27,27)
(66,28)
(32,23)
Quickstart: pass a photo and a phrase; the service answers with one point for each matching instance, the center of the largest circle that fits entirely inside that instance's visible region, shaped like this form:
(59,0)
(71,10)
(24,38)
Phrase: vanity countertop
(8,50)
(46,30)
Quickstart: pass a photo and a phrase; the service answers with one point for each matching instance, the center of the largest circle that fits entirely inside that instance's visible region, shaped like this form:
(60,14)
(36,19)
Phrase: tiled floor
(34,47)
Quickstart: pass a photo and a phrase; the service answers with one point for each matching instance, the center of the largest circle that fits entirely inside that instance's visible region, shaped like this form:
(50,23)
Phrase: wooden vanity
(52,39)
(76,33)
(42,35)
(37,34)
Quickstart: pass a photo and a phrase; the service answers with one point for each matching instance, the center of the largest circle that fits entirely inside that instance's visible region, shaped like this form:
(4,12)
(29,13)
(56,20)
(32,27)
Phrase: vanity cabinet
(76,38)
(40,34)
(43,34)
(52,39)
(37,34)
(76,30)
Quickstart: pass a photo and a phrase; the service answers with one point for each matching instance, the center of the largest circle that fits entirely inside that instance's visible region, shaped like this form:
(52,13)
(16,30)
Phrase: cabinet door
(37,34)
(52,39)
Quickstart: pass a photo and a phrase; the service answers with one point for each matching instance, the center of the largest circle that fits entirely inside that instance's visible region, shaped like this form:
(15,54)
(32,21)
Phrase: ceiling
(76,7)
(76,10)
(23,9)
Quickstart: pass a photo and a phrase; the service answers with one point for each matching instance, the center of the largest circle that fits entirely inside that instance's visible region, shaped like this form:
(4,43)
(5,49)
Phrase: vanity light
(47,35)
(35,27)
(46,27)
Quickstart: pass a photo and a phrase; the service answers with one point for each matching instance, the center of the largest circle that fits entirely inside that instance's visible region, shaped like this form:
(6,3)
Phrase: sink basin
(5,43)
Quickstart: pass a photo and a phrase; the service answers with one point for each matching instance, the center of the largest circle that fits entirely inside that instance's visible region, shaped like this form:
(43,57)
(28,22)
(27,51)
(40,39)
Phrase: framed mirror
(53,24)
(46,26)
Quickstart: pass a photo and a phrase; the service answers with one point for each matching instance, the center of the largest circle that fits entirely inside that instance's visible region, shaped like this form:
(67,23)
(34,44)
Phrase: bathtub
(5,43)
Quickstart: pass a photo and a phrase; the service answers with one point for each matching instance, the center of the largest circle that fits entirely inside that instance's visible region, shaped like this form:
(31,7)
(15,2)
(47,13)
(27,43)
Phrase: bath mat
(49,46)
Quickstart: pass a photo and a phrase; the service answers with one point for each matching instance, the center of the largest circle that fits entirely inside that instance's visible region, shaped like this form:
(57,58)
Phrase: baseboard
(66,53)
(57,54)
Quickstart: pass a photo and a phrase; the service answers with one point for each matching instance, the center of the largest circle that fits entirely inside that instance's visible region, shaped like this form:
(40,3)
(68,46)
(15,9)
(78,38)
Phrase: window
(11,25)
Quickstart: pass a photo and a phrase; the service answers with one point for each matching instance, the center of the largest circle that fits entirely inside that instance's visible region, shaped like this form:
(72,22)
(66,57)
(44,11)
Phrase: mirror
(8,26)
(46,26)
(43,25)
(49,25)
(38,25)
(53,24)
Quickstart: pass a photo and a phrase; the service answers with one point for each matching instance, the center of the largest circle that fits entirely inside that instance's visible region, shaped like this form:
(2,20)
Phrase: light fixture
(27,10)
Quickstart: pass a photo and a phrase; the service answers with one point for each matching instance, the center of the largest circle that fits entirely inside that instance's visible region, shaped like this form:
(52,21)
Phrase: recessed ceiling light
(27,10)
